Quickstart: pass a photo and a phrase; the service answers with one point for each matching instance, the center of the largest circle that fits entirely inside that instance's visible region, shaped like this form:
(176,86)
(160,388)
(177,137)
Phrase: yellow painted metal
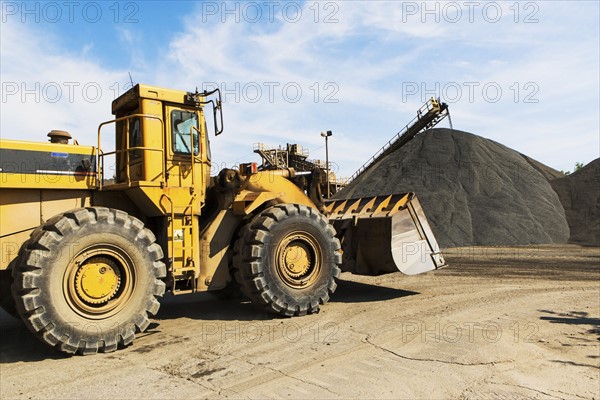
(98,280)
(10,245)
(53,202)
(19,210)
(160,163)
(258,190)
(434,104)
(184,177)
(133,170)
(215,255)
(296,259)
(299,259)
(22,210)
(46,174)
(267,186)
(367,207)
(182,237)
(153,137)
(46,147)
(130,99)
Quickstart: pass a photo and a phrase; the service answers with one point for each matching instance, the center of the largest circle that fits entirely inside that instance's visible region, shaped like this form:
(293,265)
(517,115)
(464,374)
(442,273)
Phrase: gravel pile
(474,191)
(548,172)
(579,194)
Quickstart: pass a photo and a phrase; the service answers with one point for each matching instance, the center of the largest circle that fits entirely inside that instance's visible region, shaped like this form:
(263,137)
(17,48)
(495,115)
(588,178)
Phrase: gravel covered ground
(500,322)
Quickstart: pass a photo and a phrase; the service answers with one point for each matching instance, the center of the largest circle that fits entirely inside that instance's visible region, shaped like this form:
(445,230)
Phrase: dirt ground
(500,322)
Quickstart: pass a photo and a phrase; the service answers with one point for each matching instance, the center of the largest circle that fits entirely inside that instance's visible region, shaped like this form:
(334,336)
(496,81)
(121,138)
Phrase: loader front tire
(88,279)
(286,260)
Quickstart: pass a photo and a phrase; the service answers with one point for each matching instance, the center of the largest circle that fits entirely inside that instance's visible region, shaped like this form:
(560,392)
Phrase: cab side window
(135,137)
(182,127)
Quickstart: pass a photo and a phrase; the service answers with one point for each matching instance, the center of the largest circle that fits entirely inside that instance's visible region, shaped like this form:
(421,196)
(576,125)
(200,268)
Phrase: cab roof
(130,99)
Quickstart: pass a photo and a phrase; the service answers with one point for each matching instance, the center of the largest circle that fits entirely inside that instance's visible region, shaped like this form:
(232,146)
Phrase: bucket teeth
(384,234)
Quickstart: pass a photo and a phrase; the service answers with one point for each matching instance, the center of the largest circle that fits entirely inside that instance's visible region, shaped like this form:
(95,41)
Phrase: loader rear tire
(88,279)
(286,260)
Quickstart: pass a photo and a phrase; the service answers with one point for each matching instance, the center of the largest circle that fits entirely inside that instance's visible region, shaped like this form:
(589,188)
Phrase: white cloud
(373,52)
(364,61)
(46,87)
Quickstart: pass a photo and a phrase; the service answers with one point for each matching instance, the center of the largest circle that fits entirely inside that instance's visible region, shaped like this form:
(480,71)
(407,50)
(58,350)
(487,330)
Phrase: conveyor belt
(429,115)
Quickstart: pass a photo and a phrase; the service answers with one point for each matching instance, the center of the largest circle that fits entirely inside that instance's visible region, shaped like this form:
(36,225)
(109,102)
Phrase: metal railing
(101,154)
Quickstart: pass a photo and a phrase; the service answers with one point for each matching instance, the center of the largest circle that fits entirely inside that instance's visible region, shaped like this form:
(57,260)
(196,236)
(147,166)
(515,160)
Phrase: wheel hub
(297,259)
(98,280)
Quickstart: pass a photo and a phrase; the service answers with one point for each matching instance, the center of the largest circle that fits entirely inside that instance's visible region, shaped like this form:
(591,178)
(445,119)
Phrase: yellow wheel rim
(299,260)
(99,281)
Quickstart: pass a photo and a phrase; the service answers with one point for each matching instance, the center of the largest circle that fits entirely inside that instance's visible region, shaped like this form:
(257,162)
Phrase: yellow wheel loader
(91,236)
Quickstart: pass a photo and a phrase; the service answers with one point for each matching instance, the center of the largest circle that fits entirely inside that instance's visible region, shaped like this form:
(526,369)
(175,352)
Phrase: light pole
(326,136)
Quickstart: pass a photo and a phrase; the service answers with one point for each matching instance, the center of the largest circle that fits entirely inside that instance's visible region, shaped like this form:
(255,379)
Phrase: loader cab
(161,141)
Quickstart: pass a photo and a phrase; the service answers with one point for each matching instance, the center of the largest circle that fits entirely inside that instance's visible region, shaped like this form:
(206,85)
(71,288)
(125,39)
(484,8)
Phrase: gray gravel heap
(579,194)
(474,191)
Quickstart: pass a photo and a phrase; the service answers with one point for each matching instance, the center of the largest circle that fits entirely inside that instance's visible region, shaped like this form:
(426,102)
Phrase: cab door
(188,160)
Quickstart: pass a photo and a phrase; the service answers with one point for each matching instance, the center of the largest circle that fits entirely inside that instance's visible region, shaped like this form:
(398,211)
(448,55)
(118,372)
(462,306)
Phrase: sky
(525,74)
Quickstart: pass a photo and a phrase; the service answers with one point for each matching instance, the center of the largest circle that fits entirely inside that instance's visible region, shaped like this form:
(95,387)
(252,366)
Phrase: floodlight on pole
(326,135)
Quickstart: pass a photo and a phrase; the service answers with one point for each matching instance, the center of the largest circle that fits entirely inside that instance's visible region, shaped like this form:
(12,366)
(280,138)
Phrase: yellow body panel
(23,210)
(215,256)
(267,186)
(40,165)
(149,92)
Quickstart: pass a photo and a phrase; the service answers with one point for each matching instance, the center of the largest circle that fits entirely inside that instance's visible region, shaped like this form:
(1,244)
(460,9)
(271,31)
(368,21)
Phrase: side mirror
(216,106)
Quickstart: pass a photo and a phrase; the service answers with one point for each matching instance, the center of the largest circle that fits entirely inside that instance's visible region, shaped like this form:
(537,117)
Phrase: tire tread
(47,239)
(249,250)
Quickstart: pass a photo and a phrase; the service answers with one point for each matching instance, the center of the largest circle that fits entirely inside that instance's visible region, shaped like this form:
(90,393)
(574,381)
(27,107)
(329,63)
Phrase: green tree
(579,165)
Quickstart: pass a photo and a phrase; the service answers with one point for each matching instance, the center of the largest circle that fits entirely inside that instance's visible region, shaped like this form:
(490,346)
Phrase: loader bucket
(384,234)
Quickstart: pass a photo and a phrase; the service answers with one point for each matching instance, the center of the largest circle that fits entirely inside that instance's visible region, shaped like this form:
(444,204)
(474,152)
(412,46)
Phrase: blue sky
(525,74)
